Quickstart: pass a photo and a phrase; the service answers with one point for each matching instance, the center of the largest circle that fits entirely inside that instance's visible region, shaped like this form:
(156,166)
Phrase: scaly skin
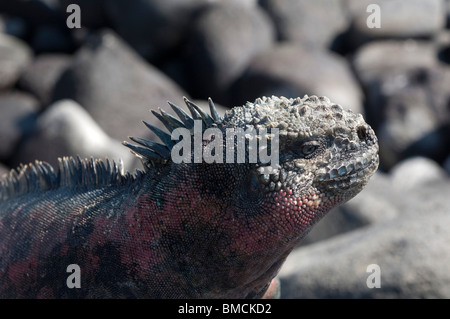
(192,230)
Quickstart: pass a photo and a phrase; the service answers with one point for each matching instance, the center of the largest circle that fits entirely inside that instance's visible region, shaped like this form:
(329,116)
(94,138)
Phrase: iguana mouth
(352,180)
(351,171)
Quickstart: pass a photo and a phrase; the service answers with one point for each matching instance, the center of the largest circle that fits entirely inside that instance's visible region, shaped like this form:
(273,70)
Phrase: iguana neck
(193,216)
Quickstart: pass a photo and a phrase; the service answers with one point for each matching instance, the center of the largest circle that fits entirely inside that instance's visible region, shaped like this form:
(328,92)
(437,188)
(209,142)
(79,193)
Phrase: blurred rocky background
(81,91)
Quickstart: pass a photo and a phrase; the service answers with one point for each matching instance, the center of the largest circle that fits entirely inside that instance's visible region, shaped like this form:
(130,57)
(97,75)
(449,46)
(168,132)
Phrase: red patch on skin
(135,234)
(185,203)
(266,239)
(139,249)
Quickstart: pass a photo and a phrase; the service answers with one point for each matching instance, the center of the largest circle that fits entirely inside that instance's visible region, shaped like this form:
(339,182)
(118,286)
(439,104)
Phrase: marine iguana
(183,230)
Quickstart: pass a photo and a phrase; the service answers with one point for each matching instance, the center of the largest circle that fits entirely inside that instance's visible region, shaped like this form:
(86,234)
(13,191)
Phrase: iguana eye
(307,149)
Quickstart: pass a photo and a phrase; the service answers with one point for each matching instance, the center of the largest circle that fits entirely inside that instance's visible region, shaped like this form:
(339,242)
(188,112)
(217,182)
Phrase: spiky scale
(212,108)
(184,117)
(164,137)
(144,151)
(162,150)
(194,113)
(207,119)
(168,120)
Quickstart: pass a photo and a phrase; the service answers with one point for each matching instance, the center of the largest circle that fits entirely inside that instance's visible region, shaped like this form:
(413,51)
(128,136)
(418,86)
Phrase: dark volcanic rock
(371,62)
(50,38)
(408,98)
(13,26)
(373,68)
(33,12)
(18,112)
(151,27)
(311,23)
(416,119)
(116,86)
(40,76)
(291,70)
(398,19)
(223,40)
(14,57)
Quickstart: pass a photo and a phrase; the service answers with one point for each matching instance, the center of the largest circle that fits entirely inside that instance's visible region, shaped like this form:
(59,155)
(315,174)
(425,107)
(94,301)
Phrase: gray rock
(151,27)
(244,3)
(373,204)
(66,129)
(18,112)
(408,118)
(311,23)
(116,86)
(223,40)
(416,173)
(14,56)
(291,70)
(407,99)
(337,221)
(411,254)
(40,76)
(399,19)
(410,249)
(416,118)
(380,58)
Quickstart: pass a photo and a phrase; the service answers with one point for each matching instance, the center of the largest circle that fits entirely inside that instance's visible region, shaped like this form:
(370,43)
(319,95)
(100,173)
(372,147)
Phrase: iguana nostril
(362,133)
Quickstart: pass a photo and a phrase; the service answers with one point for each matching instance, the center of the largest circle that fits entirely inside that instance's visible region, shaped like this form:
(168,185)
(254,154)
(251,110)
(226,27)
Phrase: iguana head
(321,155)
(326,156)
